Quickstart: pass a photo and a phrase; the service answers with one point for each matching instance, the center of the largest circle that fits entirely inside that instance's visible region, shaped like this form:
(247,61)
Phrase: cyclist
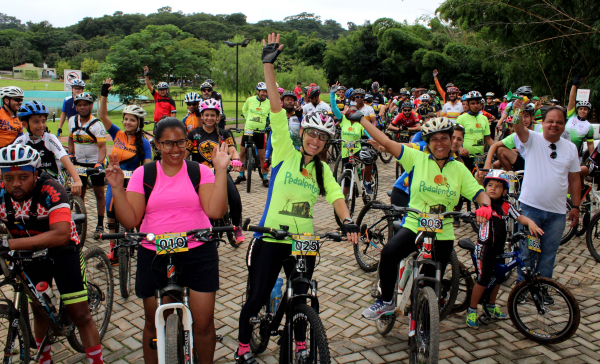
(397,103)
(68,108)
(435,101)
(206,89)
(490,243)
(554,102)
(25,190)
(215,95)
(508,110)
(315,104)
(406,120)
(577,124)
(130,147)
(87,143)
(256,111)
(305,173)
(192,119)
(439,87)
(33,115)
(477,129)
(376,108)
(340,100)
(366,110)
(426,106)
(440,180)
(201,143)
(164,105)
(378,99)
(10,126)
(453,107)
(298,90)
(492,109)
(176,204)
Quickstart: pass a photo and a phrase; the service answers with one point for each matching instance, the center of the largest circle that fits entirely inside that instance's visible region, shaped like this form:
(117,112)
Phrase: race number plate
(81,170)
(350,145)
(248,132)
(533,244)
(127,174)
(430,222)
(174,243)
(405,133)
(305,245)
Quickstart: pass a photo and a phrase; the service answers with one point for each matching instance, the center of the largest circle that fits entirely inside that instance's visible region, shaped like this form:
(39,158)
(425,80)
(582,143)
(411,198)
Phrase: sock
(241,174)
(265,175)
(100,220)
(300,345)
(388,302)
(243,349)
(491,305)
(94,354)
(46,357)
(470,310)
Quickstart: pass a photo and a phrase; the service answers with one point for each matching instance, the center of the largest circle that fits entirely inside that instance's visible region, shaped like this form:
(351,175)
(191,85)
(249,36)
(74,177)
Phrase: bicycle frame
(354,165)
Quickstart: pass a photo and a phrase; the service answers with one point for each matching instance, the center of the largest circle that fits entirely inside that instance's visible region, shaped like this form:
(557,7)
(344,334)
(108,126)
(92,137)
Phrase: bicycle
(251,158)
(534,316)
(591,205)
(76,203)
(17,329)
(297,314)
(174,340)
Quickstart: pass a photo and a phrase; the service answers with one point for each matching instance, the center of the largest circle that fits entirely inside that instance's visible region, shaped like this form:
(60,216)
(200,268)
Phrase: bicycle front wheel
(426,347)
(465,287)
(174,343)
(386,157)
(345,182)
(376,227)
(560,314)
(592,237)
(260,331)
(307,321)
(19,340)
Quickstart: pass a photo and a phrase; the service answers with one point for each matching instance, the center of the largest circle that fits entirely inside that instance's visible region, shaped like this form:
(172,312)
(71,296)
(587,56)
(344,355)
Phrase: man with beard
(10,126)
(453,108)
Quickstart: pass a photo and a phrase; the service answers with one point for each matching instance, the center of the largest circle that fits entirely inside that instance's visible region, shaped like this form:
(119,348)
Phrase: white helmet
(19,155)
(319,120)
(77,83)
(136,111)
(436,125)
(84,96)
(162,86)
(192,97)
(11,91)
(473,95)
(584,104)
(424,97)
(206,85)
(261,86)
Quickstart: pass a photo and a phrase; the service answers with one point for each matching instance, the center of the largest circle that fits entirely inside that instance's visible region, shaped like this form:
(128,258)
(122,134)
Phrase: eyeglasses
(18,100)
(313,133)
(168,144)
(406,110)
(553,155)
(193,103)
(359,96)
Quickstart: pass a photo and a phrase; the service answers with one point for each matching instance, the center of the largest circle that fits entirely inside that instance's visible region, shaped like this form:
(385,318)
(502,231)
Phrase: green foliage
(89,66)
(31,75)
(61,66)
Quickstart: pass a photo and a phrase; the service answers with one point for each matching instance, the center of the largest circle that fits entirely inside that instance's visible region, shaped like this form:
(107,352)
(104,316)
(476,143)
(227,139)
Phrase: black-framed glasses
(314,133)
(196,103)
(553,155)
(18,100)
(168,144)
(359,96)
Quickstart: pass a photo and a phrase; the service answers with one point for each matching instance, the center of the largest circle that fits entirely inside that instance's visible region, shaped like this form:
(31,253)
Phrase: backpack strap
(149,179)
(86,129)
(193,169)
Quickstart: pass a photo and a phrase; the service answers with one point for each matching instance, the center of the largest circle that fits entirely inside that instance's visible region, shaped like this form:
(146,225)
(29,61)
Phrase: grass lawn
(33,85)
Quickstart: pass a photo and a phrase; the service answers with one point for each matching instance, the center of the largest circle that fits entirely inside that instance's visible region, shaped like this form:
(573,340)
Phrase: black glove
(350,228)
(104,90)
(577,79)
(334,88)
(354,116)
(270,53)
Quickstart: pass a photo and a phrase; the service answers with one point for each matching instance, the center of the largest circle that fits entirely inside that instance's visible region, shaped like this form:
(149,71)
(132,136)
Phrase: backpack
(86,129)
(193,169)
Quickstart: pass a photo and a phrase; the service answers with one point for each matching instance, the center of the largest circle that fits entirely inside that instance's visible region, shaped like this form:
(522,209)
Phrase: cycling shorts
(486,255)
(66,268)
(257,137)
(96,179)
(110,207)
(519,164)
(197,269)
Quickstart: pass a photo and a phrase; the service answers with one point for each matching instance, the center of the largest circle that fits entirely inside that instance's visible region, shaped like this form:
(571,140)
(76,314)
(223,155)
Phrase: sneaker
(99,230)
(472,319)
(548,300)
(368,188)
(239,236)
(495,312)
(247,358)
(378,309)
(456,222)
(266,182)
(303,356)
(522,298)
(239,180)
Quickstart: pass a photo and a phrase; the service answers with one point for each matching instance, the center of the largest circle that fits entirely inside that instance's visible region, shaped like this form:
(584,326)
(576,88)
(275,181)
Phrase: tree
(10,22)
(303,16)
(89,66)
(165,9)
(31,75)
(61,66)
(212,31)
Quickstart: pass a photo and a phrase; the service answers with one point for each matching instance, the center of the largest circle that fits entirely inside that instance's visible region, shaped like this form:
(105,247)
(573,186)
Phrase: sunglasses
(406,110)
(553,155)
(359,97)
(193,103)
(206,90)
(18,100)
(313,133)
(168,144)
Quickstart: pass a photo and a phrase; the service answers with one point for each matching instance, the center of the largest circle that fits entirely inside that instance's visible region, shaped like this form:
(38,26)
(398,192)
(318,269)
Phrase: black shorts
(486,255)
(519,164)
(97,179)
(257,137)
(197,269)
(66,268)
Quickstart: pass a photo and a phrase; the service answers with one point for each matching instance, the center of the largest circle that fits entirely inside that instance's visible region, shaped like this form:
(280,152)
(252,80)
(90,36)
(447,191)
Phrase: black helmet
(413,90)
(407,105)
(375,86)
(289,93)
(314,92)
(530,109)
(369,97)
(524,91)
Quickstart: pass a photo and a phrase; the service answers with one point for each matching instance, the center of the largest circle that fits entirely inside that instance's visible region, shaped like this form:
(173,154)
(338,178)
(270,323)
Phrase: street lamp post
(244,44)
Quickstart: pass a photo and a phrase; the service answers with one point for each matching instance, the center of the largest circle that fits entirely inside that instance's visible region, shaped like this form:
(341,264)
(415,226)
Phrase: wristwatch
(575,207)
(348,220)
(5,241)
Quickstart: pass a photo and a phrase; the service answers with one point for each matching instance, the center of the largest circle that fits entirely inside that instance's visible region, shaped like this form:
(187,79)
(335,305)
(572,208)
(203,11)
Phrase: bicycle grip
(222,229)
(246,224)
(111,236)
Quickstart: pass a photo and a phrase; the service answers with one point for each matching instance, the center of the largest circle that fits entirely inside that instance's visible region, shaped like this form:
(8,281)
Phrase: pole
(237,52)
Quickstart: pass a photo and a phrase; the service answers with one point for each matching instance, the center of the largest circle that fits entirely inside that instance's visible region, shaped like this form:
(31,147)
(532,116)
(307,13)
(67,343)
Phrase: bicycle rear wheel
(465,287)
(260,331)
(307,320)
(386,157)
(19,341)
(174,343)
(376,227)
(426,347)
(592,237)
(450,286)
(78,207)
(249,168)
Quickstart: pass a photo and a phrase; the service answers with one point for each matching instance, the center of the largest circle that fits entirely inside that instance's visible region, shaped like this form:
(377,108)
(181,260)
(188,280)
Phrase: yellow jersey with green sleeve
(434,190)
(293,188)
(350,132)
(579,130)
(476,129)
(256,113)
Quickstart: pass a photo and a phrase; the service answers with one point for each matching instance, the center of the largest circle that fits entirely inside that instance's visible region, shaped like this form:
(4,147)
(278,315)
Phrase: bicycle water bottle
(276,294)
(360,174)
(406,269)
(46,291)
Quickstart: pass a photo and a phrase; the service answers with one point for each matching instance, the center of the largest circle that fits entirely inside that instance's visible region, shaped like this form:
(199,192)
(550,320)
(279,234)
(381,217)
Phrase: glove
(485,211)
(146,73)
(267,164)
(354,116)
(104,90)
(58,132)
(236,163)
(350,228)
(334,88)
(577,79)
(270,53)
(404,127)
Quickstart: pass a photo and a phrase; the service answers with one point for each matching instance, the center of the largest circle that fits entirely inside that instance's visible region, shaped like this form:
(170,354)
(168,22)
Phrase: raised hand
(220,157)
(109,82)
(335,87)
(271,50)
(114,174)
(435,72)
(146,71)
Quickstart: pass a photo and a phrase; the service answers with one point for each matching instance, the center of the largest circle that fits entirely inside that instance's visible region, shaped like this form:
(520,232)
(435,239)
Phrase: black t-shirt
(378,99)
(425,109)
(492,109)
(201,144)
(215,95)
(493,232)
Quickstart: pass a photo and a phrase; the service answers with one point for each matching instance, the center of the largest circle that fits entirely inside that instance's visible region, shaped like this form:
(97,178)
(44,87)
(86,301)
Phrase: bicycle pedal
(153,343)
(219,338)
(254,320)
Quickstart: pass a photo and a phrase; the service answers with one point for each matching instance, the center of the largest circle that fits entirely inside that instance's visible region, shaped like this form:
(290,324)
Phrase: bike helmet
(260,86)
(280,90)
(369,98)
(473,95)
(211,82)
(365,155)
(19,156)
(349,93)
(343,88)
(459,127)
(208,85)
(305,89)
(375,86)
(314,92)
(319,120)
(425,97)
(77,83)
(464,97)
(290,94)
(524,91)
(406,105)
(448,85)
(210,104)
(530,109)
(498,175)
(404,92)
(452,90)
(497,100)
(490,94)
(192,97)
(436,125)
(555,101)
(11,91)
(583,104)
(84,96)
(138,112)
(432,93)
(509,120)
(32,108)
(162,86)
(359,91)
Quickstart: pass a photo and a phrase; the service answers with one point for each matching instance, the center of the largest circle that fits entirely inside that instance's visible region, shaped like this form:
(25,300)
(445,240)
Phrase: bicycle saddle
(466,243)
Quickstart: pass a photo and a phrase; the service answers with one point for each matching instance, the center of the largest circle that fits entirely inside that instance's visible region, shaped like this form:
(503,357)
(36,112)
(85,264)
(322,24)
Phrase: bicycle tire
(28,317)
(22,338)
(574,313)
(230,237)
(378,235)
(318,335)
(124,266)
(450,293)
(427,321)
(260,341)
(351,204)
(591,234)
(337,165)
(399,170)
(386,157)
(174,340)
(77,206)
(465,289)
(572,230)
(385,324)
(249,168)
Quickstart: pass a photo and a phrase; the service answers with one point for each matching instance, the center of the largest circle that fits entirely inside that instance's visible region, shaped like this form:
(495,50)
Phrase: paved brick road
(345,291)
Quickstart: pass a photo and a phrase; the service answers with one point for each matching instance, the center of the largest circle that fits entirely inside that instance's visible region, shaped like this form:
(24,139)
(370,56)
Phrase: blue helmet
(349,93)
(32,108)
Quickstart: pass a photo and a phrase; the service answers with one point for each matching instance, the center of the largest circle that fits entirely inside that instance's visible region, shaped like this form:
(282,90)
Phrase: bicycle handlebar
(282,234)
(197,233)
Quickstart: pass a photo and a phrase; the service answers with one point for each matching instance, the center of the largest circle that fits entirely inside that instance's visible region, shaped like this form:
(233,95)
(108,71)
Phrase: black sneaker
(239,180)
(99,230)
(456,222)
(247,358)
(266,183)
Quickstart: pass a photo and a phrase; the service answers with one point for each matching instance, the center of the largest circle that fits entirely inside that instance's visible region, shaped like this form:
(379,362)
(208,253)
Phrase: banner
(69,76)
(583,95)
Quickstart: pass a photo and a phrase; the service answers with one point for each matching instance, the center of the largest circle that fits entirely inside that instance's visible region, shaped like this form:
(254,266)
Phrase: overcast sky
(62,13)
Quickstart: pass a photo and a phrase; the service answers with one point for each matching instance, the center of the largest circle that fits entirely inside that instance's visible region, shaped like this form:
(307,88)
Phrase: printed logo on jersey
(302,182)
(52,193)
(441,180)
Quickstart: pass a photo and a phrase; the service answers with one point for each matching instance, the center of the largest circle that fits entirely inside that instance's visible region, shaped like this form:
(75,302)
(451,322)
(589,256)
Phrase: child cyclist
(33,115)
(490,242)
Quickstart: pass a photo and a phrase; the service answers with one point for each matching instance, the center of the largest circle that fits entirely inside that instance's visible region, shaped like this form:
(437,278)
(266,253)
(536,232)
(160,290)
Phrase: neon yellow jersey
(509,141)
(293,190)
(351,131)
(476,129)
(256,113)
(432,189)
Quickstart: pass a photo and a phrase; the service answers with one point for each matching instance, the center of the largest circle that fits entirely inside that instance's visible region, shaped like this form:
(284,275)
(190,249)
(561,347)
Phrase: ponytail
(319,173)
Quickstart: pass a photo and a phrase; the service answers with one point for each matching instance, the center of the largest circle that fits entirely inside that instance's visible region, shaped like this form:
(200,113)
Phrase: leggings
(400,246)
(265,260)
(235,202)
